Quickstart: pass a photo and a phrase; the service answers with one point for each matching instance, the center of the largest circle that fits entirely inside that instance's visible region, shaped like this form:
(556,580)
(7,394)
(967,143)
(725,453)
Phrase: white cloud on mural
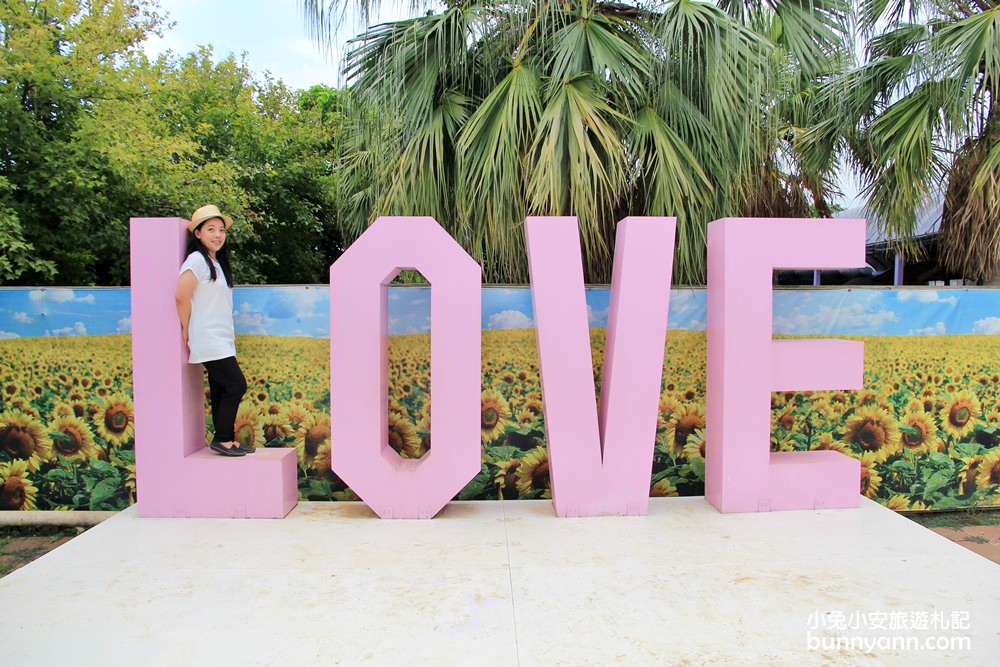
(987,325)
(23,318)
(248,321)
(925,296)
(78,329)
(852,319)
(938,329)
(509,319)
(124,325)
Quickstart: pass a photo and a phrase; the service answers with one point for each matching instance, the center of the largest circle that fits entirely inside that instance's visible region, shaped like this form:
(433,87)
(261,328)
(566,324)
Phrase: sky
(271,32)
(305,311)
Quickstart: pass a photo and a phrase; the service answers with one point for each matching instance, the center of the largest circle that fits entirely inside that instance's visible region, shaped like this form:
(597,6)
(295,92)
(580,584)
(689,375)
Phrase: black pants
(226,386)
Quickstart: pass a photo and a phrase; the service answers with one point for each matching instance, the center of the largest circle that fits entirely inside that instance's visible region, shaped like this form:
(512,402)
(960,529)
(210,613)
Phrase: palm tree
(488,112)
(920,119)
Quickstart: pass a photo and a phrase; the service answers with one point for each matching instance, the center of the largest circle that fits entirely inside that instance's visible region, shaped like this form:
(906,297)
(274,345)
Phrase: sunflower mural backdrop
(925,427)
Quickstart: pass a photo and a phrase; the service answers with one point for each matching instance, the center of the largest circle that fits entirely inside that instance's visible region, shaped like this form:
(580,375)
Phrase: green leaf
(102,492)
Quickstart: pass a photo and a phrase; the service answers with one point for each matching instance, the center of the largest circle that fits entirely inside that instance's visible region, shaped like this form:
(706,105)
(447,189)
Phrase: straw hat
(206,213)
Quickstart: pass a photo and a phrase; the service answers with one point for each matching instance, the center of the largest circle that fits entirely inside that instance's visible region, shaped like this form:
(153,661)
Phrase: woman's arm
(186,285)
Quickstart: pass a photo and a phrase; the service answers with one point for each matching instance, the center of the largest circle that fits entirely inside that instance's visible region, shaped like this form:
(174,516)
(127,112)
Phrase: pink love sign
(600,459)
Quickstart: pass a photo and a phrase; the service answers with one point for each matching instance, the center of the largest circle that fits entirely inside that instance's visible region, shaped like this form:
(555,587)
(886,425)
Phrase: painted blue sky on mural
(305,311)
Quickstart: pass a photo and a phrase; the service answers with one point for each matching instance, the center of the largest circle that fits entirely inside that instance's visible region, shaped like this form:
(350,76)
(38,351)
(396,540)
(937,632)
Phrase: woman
(205,307)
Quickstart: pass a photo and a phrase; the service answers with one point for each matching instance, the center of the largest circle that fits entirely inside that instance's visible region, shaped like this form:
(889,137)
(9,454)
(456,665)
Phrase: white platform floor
(494,583)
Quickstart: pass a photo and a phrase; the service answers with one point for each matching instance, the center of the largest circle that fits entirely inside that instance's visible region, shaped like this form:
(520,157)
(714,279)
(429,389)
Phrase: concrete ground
(508,583)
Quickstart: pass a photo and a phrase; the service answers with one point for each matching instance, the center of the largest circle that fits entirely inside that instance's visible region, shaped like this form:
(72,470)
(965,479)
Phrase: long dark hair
(194,244)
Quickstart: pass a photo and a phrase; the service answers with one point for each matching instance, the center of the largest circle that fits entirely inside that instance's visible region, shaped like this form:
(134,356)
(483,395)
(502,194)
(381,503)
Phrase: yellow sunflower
(898,502)
(114,420)
(668,406)
(925,438)
(694,448)
(247,426)
(827,441)
(16,490)
(403,437)
(663,489)
(424,429)
(9,390)
(682,424)
(62,410)
(873,431)
(310,436)
(989,469)
(322,461)
(526,418)
(73,439)
(494,413)
(967,475)
(273,425)
(23,437)
(870,479)
(958,416)
(506,479)
(533,472)
(296,412)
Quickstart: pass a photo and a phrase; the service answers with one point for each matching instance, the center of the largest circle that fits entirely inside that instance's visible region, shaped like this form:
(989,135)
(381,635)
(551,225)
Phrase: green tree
(58,59)
(92,133)
(491,111)
(920,119)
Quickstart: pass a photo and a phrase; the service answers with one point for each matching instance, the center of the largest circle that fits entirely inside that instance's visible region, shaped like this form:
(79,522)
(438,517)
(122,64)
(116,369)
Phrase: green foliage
(94,134)
(488,112)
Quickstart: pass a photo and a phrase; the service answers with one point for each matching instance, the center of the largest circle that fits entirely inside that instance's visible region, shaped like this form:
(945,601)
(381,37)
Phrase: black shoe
(235,450)
(246,449)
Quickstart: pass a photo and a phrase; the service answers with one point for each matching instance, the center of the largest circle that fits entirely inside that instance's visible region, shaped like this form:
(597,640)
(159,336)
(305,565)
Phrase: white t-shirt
(210,330)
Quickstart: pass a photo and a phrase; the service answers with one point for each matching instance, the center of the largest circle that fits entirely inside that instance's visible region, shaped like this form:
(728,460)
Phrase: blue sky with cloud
(305,311)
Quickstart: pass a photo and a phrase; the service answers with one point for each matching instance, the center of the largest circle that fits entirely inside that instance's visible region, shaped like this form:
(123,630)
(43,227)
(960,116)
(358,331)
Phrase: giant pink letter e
(745,365)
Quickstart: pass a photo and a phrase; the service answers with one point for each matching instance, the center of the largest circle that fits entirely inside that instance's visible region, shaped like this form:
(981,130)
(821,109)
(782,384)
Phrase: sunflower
(786,419)
(663,489)
(9,390)
(873,431)
(310,436)
(23,438)
(921,433)
(526,418)
(967,475)
(73,439)
(958,416)
(989,469)
(296,412)
(494,413)
(403,437)
(424,429)
(694,448)
(898,502)
(247,425)
(668,406)
(16,490)
(62,410)
(870,479)
(827,442)
(534,406)
(114,420)
(682,424)
(533,473)
(506,479)
(273,425)
(323,460)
